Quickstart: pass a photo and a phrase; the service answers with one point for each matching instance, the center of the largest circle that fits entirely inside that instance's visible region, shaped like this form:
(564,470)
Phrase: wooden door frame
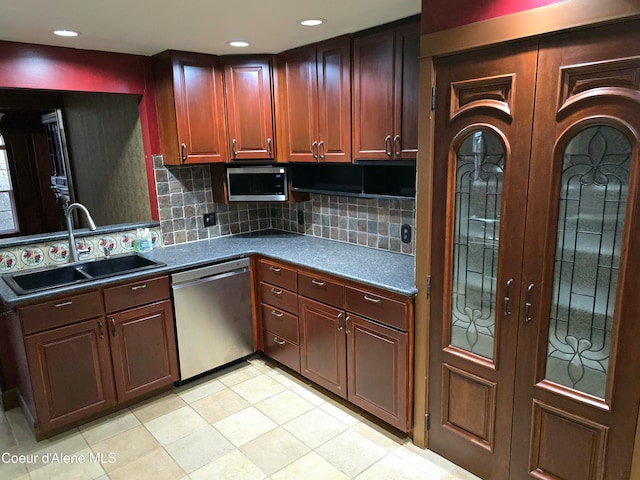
(549,19)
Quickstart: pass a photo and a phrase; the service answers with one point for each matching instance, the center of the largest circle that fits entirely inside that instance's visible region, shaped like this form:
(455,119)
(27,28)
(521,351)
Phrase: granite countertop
(378,268)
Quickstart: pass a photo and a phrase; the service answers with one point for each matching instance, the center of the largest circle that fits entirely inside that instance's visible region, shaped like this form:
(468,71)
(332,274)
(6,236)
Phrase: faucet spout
(73,248)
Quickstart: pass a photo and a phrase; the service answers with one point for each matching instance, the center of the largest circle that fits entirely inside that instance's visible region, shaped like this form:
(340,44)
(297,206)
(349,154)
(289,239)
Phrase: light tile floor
(250,421)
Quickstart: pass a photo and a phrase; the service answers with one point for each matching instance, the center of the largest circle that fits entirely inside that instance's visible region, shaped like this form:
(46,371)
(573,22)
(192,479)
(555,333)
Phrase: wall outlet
(300,217)
(209,219)
(405,233)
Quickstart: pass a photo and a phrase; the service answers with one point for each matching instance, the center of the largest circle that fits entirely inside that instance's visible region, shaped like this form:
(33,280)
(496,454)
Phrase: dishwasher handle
(210,278)
(209,271)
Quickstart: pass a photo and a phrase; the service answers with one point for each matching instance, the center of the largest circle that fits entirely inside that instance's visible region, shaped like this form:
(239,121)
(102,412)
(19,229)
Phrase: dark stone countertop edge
(389,271)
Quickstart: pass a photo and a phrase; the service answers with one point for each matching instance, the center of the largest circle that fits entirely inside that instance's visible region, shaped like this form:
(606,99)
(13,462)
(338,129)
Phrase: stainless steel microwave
(257,184)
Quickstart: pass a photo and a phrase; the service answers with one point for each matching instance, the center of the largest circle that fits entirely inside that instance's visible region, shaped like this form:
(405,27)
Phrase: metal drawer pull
(113,326)
(101,329)
(507,298)
(396,145)
(277,314)
(314,150)
(321,150)
(184,152)
(276,292)
(388,149)
(527,304)
(63,304)
(275,269)
(347,330)
(233,148)
(279,342)
(269,151)
(138,287)
(340,327)
(372,300)
(318,282)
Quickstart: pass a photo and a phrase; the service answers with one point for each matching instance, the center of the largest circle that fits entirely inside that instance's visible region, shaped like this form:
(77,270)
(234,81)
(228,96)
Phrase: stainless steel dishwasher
(213,316)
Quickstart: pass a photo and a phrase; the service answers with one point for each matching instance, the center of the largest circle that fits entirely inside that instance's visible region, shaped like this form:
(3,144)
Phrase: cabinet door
(482,164)
(199,105)
(577,391)
(334,100)
(373,96)
(377,369)
(71,373)
(247,83)
(143,348)
(405,132)
(322,345)
(297,110)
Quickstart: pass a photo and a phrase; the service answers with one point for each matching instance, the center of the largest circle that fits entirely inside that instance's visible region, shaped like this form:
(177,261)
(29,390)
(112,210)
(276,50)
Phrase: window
(8,216)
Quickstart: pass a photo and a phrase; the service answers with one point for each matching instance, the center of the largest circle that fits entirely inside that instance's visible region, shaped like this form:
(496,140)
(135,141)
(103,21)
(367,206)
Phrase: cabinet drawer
(277,274)
(137,293)
(280,323)
(321,289)
(279,297)
(281,350)
(63,311)
(379,308)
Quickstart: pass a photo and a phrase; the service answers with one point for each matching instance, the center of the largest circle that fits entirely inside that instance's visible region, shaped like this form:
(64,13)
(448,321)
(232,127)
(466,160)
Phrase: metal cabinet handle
(234,151)
(112,321)
(184,152)
(507,298)
(372,300)
(396,145)
(318,282)
(387,146)
(275,269)
(139,287)
(347,330)
(279,342)
(277,293)
(314,150)
(101,329)
(527,304)
(277,314)
(269,150)
(321,150)
(340,327)
(63,304)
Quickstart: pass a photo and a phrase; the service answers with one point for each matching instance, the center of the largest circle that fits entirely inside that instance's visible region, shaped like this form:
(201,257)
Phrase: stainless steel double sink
(30,281)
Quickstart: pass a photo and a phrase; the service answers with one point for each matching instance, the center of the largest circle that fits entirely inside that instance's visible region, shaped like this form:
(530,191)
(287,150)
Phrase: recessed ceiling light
(239,43)
(312,22)
(66,33)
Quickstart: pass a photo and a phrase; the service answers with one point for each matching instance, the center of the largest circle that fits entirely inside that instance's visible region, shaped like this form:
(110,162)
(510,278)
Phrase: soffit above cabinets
(146,27)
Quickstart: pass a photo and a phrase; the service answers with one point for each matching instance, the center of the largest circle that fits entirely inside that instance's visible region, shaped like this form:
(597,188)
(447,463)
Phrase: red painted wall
(40,67)
(438,15)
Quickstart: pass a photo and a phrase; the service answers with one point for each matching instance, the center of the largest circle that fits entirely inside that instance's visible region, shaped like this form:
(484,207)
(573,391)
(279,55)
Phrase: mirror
(63,147)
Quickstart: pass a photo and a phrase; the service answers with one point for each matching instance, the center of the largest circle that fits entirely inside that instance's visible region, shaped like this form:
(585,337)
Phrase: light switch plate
(209,219)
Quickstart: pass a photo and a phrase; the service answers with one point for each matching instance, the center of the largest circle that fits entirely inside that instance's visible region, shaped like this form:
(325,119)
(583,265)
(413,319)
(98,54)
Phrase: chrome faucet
(73,248)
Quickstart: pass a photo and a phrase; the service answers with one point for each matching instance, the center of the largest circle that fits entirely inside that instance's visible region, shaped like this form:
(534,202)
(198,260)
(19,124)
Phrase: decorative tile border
(57,252)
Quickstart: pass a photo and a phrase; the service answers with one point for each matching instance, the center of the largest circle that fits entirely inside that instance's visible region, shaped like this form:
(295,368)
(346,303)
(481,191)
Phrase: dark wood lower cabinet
(71,373)
(377,369)
(323,354)
(143,349)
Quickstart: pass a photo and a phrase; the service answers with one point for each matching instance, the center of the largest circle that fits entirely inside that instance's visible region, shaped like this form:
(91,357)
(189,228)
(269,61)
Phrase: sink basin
(29,281)
(117,265)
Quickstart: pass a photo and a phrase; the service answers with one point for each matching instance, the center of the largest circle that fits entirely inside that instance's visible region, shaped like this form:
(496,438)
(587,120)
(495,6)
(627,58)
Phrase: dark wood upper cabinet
(314,98)
(190,107)
(385,94)
(248,92)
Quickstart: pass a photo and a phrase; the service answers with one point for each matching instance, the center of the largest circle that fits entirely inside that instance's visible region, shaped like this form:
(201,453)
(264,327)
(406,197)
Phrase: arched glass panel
(8,219)
(479,170)
(593,197)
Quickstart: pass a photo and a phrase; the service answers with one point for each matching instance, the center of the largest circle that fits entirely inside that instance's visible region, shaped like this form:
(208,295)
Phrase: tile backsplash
(185,194)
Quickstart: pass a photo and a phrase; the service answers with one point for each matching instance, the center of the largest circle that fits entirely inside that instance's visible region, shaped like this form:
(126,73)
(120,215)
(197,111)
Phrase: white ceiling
(147,27)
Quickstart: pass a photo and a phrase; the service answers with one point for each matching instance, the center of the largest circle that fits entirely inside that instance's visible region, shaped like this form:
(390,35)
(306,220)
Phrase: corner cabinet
(314,102)
(191,109)
(385,94)
(76,363)
(249,100)
(351,339)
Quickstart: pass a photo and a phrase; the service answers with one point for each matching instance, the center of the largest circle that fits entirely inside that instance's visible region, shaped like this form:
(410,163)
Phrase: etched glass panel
(479,169)
(593,196)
